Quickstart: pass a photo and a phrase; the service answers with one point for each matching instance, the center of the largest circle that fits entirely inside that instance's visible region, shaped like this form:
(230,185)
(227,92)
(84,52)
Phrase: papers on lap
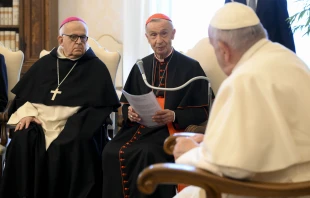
(145,105)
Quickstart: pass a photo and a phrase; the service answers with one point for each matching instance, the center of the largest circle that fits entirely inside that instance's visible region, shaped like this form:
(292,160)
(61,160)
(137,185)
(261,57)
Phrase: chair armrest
(196,129)
(170,173)
(170,141)
(4,116)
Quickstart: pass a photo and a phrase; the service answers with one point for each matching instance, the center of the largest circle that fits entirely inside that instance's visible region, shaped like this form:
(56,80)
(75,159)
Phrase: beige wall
(101,16)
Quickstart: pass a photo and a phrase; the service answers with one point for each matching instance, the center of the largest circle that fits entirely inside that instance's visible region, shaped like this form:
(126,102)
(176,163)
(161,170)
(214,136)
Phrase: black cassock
(135,146)
(3,84)
(273,15)
(71,166)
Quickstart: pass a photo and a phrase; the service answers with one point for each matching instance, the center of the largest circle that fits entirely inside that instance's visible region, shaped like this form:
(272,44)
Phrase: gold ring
(131,116)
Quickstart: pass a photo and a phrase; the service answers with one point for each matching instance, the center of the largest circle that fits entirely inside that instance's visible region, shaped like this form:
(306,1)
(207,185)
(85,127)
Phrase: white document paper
(145,106)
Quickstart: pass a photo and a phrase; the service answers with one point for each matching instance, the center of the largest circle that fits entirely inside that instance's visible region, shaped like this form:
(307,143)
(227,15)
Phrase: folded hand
(183,144)
(163,117)
(25,122)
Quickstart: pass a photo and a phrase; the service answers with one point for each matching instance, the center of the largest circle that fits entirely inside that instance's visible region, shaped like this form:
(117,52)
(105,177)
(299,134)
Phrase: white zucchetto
(234,16)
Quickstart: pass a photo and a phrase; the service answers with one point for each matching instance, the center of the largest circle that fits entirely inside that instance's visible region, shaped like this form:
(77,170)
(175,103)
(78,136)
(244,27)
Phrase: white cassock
(53,118)
(259,127)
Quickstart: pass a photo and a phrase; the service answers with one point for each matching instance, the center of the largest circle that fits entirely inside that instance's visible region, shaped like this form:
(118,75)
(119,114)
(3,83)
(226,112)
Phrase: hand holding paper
(163,116)
(145,106)
(132,115)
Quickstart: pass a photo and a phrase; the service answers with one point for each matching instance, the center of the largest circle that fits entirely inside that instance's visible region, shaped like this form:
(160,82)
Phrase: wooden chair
(170,173)
(14,62)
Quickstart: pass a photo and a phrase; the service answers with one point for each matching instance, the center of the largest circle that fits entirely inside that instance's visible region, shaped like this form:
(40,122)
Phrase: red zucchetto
(69,19)
(157,16)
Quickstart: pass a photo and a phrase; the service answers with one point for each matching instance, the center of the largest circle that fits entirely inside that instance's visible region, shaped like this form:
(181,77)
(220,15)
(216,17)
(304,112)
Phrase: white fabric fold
(26,110)
(53,118)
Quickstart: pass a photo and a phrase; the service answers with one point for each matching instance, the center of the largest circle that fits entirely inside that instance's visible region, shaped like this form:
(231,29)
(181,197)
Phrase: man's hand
(198,137)
(132,115)
(183,144)
(163,117)
(24,122)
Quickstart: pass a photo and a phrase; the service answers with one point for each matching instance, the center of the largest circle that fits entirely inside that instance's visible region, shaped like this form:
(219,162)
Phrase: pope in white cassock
(259,127)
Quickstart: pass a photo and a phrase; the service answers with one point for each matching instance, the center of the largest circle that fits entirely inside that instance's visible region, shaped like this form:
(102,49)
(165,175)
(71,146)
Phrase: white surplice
(259,127)
(53,118)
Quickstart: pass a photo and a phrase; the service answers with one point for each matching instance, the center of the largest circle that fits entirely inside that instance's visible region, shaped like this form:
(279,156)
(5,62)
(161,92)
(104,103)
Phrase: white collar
(61,54)
(250,52)
(162,60)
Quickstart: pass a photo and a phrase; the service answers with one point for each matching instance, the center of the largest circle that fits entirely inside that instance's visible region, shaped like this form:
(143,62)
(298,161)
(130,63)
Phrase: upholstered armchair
(170,173)
(112,60)
(14,62)
(112,44)
(203,52)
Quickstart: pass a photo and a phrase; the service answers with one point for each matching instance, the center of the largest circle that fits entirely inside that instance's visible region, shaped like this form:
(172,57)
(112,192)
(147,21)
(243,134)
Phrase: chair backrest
(203,52)
(110,59)
(14,62)
(113,45)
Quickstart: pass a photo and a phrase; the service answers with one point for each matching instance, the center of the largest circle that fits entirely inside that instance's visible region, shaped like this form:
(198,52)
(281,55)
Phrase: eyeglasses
(75,37)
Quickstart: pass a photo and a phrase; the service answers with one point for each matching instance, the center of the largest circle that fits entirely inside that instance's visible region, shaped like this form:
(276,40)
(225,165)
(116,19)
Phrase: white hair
(239,39)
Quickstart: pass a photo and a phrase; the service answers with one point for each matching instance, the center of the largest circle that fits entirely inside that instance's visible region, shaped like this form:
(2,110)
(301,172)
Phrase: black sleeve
(189,116)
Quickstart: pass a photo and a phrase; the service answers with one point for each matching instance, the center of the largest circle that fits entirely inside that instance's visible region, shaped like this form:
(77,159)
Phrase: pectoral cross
(54,92)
